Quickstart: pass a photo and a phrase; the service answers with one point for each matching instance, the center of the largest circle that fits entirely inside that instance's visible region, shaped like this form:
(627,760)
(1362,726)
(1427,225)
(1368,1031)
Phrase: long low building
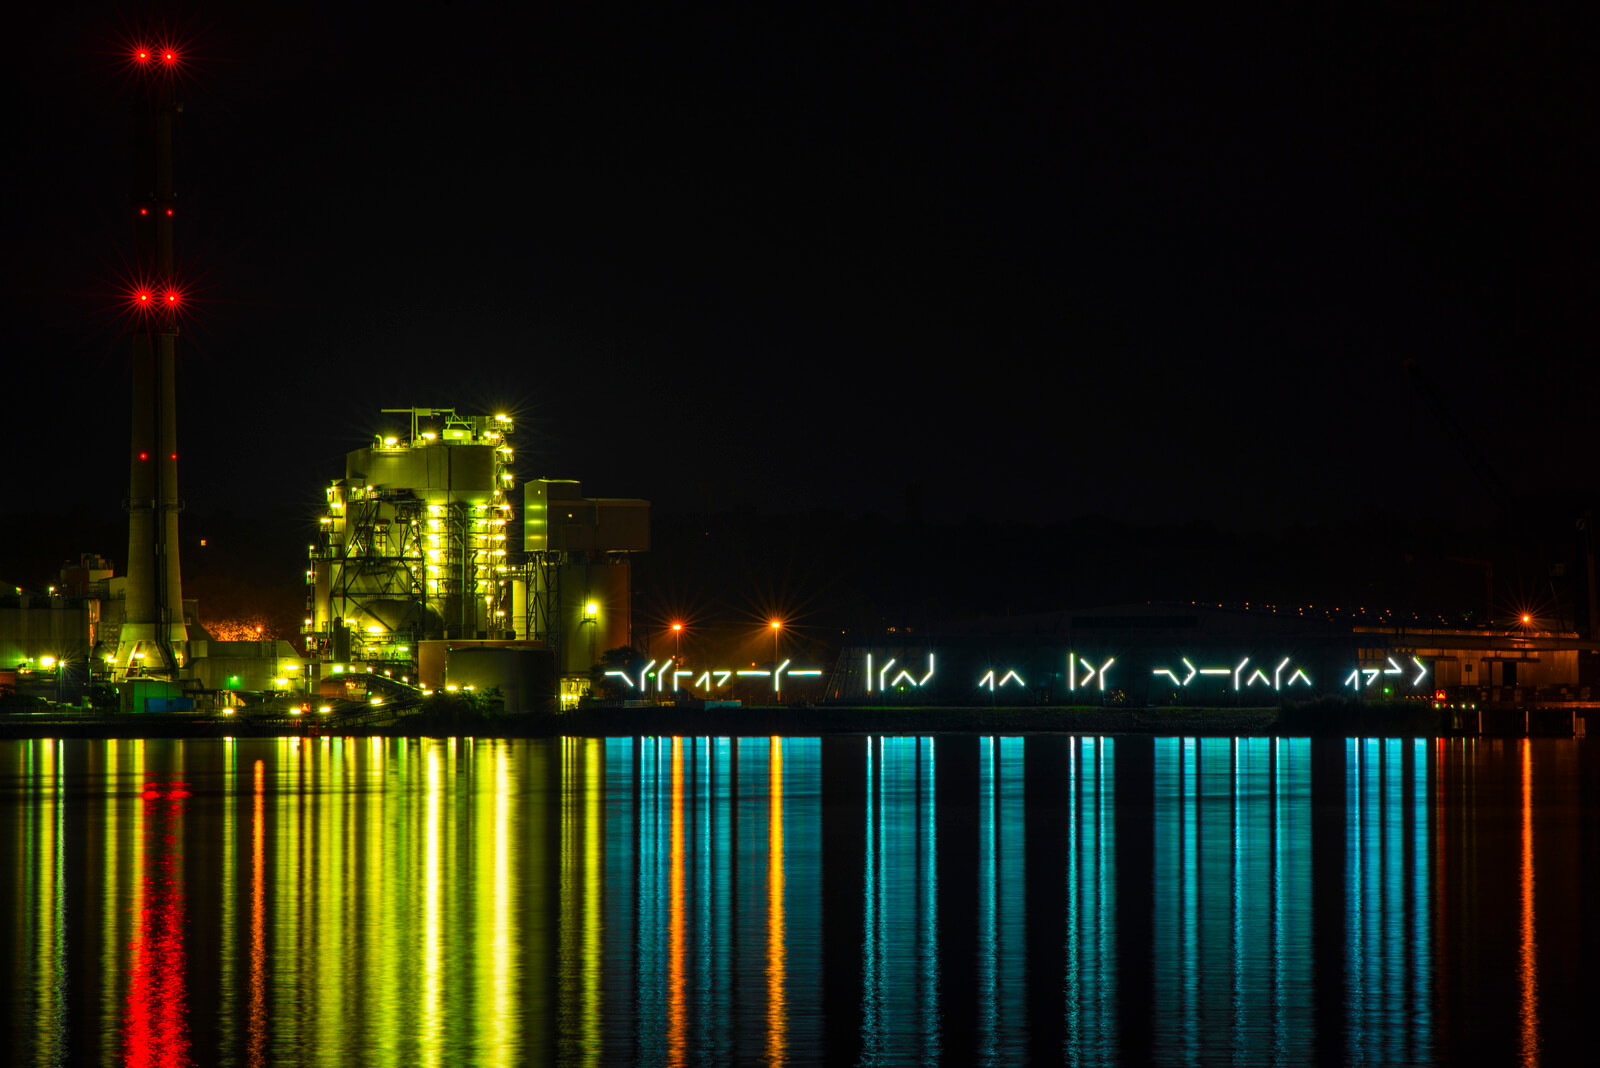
(1162,654)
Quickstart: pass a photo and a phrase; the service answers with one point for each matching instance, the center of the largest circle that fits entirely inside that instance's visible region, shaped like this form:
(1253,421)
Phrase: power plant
(416,558)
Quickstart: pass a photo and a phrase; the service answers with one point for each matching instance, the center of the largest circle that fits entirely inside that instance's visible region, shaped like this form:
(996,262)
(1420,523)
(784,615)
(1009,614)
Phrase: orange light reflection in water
(156,1033)
(1528,971)
(258,924)
(677,1016)
(777,1010)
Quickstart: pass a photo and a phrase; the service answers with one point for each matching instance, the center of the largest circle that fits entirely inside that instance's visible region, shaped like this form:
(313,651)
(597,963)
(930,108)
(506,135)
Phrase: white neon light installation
(623,675)
(1421,671)
(988,680)
(645,672)
(882,675)
(1092,673)
(1240,680)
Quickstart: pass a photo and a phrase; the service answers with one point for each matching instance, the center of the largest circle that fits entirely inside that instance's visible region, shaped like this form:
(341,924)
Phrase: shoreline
(1302,721)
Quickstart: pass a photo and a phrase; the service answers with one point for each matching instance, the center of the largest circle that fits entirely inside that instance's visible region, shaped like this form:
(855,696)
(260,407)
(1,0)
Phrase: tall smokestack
(153,630)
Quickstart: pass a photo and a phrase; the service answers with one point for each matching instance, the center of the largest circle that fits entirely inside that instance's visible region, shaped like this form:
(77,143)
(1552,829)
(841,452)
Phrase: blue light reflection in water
(901,900)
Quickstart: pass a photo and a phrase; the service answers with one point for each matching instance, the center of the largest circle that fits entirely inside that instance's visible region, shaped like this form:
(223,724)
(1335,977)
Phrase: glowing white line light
(807,671)
(904,674)
(1278,675)
(661,676)
(929,676)
(623,675)
(704,680)
(1299,673)
(1072,671)
(1216,671)
(1168,673)
(645,672)
(1422,670)
(1371,674)
(869,672)
(1354,680)
(1393,668)
(1012,675)
(1238,670)
(676,675)
(777,673)
(1191,668)
(883,674)
(723,677)
(1103,669)
(987,680)
(752,673)
(1257,674)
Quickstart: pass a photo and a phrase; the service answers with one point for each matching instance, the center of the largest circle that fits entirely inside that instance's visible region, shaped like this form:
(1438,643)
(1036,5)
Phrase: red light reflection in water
(1528,970)
(155,1032)
(677,1007)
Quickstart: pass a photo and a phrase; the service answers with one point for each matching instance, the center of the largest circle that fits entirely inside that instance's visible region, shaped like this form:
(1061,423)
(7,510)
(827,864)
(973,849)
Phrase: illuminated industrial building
(415,556)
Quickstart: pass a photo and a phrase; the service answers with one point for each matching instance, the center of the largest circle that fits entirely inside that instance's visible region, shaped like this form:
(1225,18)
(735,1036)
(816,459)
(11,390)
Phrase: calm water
(897,900)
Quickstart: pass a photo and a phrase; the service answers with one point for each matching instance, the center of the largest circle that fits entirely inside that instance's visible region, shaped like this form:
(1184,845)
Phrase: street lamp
(777,628)
(48,662)
(677,642)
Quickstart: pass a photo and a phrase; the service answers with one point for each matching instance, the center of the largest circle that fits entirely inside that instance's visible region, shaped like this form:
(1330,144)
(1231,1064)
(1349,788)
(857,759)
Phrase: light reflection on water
(881,901)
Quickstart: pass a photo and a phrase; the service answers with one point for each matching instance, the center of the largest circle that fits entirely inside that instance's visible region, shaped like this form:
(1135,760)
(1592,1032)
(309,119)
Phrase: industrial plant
(420,576)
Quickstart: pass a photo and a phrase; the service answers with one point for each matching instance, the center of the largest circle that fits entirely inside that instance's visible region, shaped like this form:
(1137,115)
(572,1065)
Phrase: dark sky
(1041,260)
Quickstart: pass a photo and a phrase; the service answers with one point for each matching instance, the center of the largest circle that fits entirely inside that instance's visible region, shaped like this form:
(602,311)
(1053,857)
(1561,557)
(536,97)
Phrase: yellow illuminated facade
(412,542)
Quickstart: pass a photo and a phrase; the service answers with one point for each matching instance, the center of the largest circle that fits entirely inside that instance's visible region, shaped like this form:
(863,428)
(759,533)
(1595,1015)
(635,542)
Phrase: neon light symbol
(988,680)
(705,679)
(1393,668)
(1073,682)
(661,676)
(882,675)
(1421,671)
(1257,674)
(1175,680)
(623,675)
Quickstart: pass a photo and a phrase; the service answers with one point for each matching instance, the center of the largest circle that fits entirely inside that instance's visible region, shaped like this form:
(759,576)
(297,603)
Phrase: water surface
(850,900)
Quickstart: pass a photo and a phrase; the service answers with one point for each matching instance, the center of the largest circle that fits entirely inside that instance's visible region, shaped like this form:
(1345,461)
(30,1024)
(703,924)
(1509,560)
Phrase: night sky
(1042,261)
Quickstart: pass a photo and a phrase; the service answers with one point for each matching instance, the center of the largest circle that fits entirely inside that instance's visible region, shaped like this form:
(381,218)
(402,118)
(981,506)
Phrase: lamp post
(51,662)
(777,629)
(677,642)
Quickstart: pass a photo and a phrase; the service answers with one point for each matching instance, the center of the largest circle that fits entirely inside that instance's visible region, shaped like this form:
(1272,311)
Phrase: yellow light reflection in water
(51,905)
(258,921)
(777,1009)
(592,860)
(433,849)
(502,997)
(677,1021)
(1528,970)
